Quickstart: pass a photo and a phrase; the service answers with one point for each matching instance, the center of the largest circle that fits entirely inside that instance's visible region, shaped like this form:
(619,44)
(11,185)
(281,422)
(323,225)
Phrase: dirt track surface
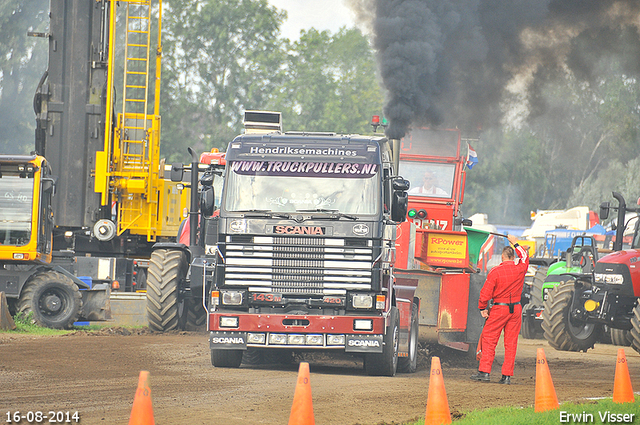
(97,376)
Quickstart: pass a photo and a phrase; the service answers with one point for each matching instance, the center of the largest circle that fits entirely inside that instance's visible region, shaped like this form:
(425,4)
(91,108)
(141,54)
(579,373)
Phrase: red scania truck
(305,243)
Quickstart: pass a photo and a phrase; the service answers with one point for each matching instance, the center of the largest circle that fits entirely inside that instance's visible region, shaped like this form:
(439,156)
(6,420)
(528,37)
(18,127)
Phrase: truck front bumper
(353,334)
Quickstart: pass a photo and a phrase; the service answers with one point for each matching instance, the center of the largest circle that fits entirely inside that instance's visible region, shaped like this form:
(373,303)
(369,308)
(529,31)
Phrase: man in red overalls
(504,285)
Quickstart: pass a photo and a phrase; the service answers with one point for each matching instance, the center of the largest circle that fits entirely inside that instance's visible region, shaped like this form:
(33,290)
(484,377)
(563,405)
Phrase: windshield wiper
(335,213)
(263,213)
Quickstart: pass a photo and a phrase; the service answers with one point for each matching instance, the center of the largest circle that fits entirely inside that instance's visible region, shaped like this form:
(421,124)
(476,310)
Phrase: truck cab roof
(303,146)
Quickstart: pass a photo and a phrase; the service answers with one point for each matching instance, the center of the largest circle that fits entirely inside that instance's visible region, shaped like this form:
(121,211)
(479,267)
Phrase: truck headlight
(335,339)
(362,301)
(228,322)
(256,338)
(232,298)
(296,339)
(615,279)
(314,339)
(277,339)
(362,325)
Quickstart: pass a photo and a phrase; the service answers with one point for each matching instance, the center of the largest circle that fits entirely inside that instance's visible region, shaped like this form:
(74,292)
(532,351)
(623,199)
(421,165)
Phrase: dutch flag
(472,157)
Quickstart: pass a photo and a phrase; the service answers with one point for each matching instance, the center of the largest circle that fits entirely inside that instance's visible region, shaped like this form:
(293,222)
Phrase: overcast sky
(320,14)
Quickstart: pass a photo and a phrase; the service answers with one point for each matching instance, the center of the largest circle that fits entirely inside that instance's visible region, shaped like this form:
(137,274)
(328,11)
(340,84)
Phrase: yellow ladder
(134,127)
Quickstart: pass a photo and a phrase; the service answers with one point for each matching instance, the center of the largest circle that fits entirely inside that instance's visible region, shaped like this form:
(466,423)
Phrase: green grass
(24,324)
(527,416)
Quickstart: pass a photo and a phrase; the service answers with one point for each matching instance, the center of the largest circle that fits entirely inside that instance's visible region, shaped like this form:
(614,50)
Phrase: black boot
(505,380)
(481,376)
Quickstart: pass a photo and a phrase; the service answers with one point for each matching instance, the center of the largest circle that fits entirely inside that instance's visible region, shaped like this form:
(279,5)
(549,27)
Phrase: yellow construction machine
(80,215)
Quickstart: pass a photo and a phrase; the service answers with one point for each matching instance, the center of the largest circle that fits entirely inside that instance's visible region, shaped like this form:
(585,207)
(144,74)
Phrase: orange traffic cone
(622,391)
(546,398)
(142,411)
(302,408)
(437,404)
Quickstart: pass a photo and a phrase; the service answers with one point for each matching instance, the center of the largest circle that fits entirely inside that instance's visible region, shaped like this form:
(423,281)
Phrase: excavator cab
(26,218)
(33,281)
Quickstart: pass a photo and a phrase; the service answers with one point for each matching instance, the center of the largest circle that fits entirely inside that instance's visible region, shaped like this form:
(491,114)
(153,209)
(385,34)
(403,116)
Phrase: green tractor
(579,258)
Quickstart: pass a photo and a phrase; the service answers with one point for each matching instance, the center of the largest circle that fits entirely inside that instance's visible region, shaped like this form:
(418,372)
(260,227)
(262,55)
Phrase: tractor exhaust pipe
(194,213)
(395,147)
(622,212)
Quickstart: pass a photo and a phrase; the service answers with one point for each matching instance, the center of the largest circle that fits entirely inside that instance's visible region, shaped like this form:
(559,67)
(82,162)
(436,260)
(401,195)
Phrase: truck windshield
(429,179)
(287,186)
(16,199)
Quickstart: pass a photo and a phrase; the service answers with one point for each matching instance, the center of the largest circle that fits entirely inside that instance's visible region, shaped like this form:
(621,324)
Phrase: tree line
(578,143)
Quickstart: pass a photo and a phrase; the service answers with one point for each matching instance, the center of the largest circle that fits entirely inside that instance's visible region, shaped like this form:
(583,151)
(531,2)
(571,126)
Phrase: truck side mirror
(177,171)
(604,210)
(400,184)
(207,201)
(207,179)
(463,221)
(400,201)
(399,206)
(48,185)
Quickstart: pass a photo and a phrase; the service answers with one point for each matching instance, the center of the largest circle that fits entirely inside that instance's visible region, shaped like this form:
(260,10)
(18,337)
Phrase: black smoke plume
(458,63)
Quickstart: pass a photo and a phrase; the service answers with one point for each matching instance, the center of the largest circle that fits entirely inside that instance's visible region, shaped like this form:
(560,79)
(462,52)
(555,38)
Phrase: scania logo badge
(238,226)
(299,230)
(360,229)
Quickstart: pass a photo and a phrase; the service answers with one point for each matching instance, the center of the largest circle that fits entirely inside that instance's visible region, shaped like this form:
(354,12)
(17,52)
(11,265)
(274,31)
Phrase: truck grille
(298,265)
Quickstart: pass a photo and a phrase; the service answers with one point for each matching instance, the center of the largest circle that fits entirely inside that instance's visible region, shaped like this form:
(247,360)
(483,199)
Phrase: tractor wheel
(386,363)
(560,330)
(226,358)
(620,337)
(410,363)
(53,298)
(605,335)
(635,328)
(531,328)
(167,269)
(278,356)
(253,357)
(196,315)
(536,286)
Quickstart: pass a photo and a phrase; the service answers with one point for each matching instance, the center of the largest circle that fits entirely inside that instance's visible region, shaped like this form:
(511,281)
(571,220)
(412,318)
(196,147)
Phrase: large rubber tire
(226,358)
(196,315)
(386,363)
(53,298)
(620,337)
(536,286)
(253,357)
(562,332)
(409,364)
(167,269)
(635,328)
(605,335)
(531,328)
